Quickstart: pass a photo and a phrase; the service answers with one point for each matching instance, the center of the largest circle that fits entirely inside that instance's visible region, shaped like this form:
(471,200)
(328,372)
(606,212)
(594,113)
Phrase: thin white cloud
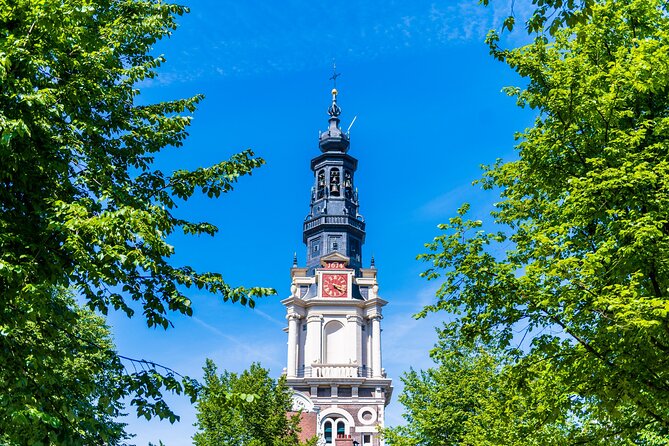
(447,204)
(266,316)
(251,352)
(240,40)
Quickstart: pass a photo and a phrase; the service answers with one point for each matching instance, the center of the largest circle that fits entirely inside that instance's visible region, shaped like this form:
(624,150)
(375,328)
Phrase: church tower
(334,312)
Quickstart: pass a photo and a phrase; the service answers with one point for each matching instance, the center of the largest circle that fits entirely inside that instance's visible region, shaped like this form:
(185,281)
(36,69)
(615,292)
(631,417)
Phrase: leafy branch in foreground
(579,264)
(64,383)
(68,388)
(81,205)
(549,16)
(473,396)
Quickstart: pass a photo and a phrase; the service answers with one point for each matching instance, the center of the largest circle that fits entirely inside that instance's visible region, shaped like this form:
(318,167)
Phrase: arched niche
(335,343)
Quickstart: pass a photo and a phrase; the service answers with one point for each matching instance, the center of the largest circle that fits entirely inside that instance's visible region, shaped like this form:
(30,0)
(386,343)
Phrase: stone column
(292,345)
(376,345)
(313,342)
(355,334)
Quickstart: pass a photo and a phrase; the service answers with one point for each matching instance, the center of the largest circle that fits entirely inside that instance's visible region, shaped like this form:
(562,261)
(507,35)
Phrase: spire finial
(373,264)
(334,110)
(295,260)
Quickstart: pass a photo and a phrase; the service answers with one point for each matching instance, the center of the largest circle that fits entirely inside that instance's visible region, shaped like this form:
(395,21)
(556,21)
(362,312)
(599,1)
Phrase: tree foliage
(578,261)
(68,391)
(475,396)
(440,403)
(548,16)
(81,204)
(246,409)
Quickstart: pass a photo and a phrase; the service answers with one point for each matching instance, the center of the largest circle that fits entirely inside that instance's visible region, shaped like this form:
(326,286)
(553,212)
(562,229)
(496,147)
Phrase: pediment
(335,260)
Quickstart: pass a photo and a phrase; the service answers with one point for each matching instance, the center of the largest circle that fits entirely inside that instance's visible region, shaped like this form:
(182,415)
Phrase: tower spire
(334,139)
(334,223)
(334,364)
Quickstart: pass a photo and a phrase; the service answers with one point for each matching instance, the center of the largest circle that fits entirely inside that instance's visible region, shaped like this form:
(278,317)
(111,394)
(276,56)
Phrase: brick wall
(344,440)
(308,424)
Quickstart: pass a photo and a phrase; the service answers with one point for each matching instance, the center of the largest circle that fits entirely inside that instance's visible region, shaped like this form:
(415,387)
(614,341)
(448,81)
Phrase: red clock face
(335,285)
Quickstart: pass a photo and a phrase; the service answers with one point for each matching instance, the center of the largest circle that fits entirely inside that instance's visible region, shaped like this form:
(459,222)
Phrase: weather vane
(335,75)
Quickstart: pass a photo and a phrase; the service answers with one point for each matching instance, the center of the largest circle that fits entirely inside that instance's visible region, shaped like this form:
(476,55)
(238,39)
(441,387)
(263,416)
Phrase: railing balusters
(333,219)
(334,371)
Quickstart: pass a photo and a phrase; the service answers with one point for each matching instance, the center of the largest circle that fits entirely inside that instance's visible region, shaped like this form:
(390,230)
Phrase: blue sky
(427,96)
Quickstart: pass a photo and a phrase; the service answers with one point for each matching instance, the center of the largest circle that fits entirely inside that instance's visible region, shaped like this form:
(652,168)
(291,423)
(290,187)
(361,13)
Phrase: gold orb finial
(334,91)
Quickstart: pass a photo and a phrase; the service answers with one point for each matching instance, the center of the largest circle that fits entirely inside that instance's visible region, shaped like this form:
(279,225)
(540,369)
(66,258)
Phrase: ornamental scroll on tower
(334,312)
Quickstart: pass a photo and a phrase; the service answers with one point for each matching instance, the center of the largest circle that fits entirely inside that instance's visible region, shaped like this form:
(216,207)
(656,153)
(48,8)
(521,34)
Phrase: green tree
(441,402)
(474,396)
(69,389)
(246,409)
(81,204)
(578,258)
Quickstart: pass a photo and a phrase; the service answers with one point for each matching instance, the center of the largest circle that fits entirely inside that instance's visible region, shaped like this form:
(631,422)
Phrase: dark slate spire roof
(334,223)
(334,139)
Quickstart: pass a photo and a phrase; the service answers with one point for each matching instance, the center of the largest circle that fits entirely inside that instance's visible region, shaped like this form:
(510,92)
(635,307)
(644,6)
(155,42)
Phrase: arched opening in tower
(335,343)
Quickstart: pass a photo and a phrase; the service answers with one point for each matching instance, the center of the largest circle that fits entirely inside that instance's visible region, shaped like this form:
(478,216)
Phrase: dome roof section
(334,139)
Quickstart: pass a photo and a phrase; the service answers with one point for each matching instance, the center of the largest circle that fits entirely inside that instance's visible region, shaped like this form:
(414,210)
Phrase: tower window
(354,249)
(365,392)
(341,429)
(334,182)
(328,432)
(320,185)
(334,243)
(348,185)
(345,392)
(315,247)
(333,428)
(366,440)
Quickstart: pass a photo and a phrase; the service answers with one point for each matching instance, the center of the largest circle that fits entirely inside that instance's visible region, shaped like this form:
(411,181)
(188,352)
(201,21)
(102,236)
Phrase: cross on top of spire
(334,110)
(335,75)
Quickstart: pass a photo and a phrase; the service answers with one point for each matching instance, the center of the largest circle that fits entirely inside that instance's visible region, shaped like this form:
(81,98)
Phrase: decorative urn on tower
(334,312)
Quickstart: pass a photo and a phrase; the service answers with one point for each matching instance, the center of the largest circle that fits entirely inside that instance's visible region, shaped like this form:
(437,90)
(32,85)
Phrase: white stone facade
(334,349)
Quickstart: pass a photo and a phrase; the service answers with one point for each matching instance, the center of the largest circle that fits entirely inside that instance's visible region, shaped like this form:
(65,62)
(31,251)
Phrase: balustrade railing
(334,220)
(334,371)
